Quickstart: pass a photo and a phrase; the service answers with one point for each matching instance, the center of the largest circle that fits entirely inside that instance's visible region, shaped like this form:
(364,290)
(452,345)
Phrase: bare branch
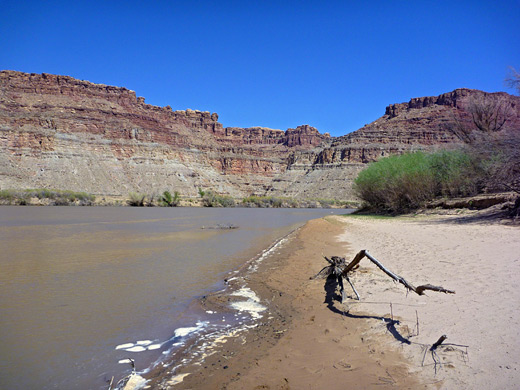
(420,289)
(353,288)
(355,261)
(513,79)
(438,342)
(410,287)
(489,114)
(397,278)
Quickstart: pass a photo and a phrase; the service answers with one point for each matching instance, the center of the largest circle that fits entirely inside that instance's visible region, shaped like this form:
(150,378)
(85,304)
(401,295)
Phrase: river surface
(82,288)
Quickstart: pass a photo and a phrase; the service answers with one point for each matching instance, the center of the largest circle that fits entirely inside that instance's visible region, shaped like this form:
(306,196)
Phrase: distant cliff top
(63,133)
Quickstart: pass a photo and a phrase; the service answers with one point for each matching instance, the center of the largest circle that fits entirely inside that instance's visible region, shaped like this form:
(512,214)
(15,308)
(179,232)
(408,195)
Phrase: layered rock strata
(426,123)
(63,133)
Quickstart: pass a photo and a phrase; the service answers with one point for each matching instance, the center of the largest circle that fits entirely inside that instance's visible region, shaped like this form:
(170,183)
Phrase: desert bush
(171,201)
(7,195)
(406,182)
(457,173)
(263,201)
(277,202)
(135,199)
(59,197)
(396,182)
(212,199)
(150,200)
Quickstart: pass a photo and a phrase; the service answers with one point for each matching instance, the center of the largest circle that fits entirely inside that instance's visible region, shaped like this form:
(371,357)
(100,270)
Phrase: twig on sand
(440,343)
(353,288)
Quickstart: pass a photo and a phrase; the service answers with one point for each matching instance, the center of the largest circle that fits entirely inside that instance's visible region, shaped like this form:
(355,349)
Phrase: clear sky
(334,65)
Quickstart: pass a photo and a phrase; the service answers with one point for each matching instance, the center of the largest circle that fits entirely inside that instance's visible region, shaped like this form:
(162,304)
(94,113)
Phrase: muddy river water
(82,288)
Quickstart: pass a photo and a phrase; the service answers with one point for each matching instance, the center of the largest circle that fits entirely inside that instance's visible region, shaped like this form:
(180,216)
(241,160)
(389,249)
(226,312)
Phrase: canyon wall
(62,133)
(59,132)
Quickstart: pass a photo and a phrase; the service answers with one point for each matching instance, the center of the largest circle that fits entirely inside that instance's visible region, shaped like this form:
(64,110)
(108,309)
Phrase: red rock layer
(60,132)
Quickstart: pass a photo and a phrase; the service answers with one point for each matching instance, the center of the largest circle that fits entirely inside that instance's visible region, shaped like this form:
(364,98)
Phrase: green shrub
(135,199)
(406,182)
(264,201)
(212,199)
(457,173)
(171,201)
(7,195)
(59,197)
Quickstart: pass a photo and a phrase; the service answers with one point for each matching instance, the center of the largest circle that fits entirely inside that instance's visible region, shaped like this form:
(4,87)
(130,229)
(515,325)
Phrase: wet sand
(303,342)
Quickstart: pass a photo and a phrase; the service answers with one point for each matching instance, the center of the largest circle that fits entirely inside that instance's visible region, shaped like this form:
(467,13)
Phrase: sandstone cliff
(425,123)
(63,133)
(59,132)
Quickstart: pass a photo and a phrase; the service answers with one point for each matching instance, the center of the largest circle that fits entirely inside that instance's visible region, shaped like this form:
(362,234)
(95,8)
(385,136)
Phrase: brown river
(82,288)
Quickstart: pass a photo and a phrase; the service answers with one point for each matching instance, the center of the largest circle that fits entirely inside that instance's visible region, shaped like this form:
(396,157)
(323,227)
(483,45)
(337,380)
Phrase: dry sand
(480,260)
(303,343)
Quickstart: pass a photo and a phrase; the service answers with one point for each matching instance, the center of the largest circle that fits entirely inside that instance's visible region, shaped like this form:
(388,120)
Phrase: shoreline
(300,342)
(283,287)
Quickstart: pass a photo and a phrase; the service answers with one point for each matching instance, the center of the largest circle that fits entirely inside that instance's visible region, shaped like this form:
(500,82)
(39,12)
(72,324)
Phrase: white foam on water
(253,308)
(266,253)
(137,348)
(183,332)
(125,346)
(252,305)
(177,379)
(246,292)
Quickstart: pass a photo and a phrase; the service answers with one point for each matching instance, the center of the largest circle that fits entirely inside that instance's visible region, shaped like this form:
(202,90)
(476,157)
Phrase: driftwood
(339,269)
(335,270)
(221,226)
(410,287)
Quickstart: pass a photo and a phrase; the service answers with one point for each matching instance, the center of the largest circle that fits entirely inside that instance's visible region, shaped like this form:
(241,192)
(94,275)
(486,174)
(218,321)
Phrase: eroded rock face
(63,133)
(60,132)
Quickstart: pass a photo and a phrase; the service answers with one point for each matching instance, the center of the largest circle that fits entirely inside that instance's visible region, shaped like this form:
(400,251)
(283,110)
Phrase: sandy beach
(303,342)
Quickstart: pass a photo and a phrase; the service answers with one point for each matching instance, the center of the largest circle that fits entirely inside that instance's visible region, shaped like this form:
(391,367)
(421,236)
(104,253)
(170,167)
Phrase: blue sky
(334,65)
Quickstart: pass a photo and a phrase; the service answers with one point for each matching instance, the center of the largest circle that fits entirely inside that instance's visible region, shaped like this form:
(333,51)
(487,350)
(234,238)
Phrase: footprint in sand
(343,365)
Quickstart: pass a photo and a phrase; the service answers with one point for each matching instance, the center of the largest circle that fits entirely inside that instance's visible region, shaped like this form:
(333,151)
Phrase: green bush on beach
(408,181)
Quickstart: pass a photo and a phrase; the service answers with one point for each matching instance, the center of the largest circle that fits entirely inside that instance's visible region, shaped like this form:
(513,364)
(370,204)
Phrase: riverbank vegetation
(207,198)
(46,197)
(286,202)
(410,181)
(169,200)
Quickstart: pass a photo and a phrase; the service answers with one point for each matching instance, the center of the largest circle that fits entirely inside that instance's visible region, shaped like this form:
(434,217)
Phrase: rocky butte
(62,133)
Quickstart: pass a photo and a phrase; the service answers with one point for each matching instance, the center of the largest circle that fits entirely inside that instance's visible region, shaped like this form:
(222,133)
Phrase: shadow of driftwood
(331,296)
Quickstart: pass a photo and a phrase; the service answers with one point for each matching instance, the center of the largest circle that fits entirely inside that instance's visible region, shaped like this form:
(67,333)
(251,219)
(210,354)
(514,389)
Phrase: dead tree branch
(418,290)
(353,288)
